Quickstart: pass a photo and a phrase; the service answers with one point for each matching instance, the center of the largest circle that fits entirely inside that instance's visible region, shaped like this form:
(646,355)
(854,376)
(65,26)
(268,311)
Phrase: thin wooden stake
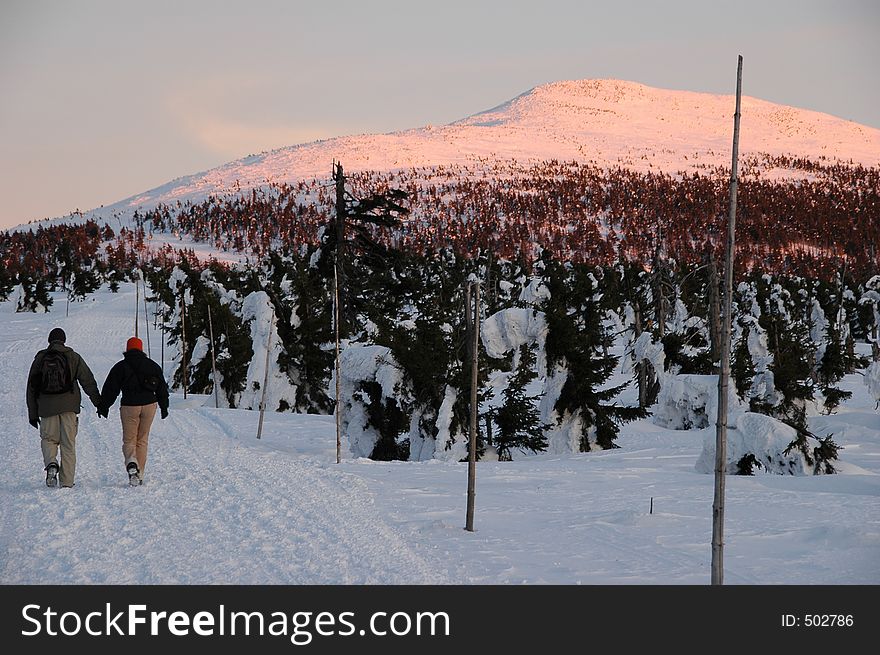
(146,317)
(473,321)
(641,366)
(714,311)
(338,368)
(338,277)
(213,359)
(183,338)
(724,375)
(266,376)
(137,302)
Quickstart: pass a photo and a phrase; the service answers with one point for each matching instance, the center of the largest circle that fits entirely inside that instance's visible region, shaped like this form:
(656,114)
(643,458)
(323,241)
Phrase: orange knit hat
(134,344)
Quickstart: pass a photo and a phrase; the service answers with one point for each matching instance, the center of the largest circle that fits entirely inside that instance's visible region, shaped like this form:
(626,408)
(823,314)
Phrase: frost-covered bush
(872,379)
(762,444)
(690,402)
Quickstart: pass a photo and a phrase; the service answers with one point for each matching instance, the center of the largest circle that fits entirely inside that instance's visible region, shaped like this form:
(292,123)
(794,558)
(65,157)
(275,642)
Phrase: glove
(164,412)
(103,411)
(35,422)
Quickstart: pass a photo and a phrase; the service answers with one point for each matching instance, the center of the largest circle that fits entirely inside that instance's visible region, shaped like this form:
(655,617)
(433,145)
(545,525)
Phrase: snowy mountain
(608,123)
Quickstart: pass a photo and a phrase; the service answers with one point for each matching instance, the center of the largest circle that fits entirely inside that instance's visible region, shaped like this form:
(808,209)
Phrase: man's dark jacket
(43,405)
(126,376)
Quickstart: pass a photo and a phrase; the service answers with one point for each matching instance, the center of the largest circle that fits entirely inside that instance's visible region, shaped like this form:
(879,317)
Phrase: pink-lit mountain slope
(604,122)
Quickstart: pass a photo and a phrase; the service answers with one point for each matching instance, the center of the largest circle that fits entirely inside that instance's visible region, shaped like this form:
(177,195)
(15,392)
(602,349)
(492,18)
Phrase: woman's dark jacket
(127,376)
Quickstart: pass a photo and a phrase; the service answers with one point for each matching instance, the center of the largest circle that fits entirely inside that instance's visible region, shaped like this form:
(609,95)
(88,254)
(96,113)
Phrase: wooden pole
(183,339)
(714,311)
(146,318)
(338,279)
(137,301)
(213,359)
(641,368)
(840,290)
(339,261)
(266,376)
(338,368)
(473,321)
(163,344)
(724,375)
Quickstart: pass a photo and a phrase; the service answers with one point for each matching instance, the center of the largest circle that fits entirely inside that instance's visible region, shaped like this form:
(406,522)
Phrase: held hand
(164,412)
(35,422)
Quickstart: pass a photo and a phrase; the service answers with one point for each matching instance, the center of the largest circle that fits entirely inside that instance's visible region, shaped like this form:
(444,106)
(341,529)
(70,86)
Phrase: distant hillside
(605,123)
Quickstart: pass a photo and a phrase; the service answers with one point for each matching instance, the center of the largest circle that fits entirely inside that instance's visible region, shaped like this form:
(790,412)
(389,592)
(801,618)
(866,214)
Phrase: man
(143,390)
(53,402)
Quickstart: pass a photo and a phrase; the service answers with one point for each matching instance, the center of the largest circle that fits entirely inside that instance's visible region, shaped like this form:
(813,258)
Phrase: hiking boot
(52,474)
(133,478)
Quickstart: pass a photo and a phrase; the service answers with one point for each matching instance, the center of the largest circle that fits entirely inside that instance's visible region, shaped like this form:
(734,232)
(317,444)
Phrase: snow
(818,329)
(602,122)
(872,380)
(509,329)
(646,349)
(221,507)
(15,298)
(258,311)
(687,402)
(563,438)
(759,435)
(359,363)
(453,447)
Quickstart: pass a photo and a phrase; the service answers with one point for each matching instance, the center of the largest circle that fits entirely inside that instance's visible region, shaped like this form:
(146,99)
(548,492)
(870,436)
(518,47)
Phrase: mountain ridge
(605,122)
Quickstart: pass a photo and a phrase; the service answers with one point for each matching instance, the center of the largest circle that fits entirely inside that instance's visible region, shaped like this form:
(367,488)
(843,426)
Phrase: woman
(143,390)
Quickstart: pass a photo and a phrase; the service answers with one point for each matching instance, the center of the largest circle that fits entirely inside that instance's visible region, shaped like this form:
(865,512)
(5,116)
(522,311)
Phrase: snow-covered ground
(220,506)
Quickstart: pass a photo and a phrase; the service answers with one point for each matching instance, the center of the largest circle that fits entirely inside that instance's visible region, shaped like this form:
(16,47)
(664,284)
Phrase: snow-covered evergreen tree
(517,420)
(576,342)
(870,306)
(31,295)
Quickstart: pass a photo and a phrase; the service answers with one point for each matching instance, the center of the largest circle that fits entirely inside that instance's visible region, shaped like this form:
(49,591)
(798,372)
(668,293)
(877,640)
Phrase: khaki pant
(60,430)
(136,422)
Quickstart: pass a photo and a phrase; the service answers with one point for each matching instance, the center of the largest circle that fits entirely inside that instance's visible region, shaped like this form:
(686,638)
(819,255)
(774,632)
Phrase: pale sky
(103,99)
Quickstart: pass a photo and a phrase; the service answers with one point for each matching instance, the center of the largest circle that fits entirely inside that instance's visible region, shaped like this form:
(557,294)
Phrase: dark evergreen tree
(352,236)
(388,419)
(793,350)
(869,314)
(234,351)
(428,346)
(517,420)
(836,362)
(686,343)
(687,351)
(302,302)
(7,283)
(631,292)
(34,295)
(83,282)
(793,353)
(576,340)
(742,368)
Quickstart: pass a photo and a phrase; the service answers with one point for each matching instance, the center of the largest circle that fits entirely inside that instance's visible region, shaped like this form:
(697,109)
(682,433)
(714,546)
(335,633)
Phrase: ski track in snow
(211,510)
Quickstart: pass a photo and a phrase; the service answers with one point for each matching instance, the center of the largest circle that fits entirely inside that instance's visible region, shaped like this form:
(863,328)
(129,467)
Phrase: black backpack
(147,379)
(54,375)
